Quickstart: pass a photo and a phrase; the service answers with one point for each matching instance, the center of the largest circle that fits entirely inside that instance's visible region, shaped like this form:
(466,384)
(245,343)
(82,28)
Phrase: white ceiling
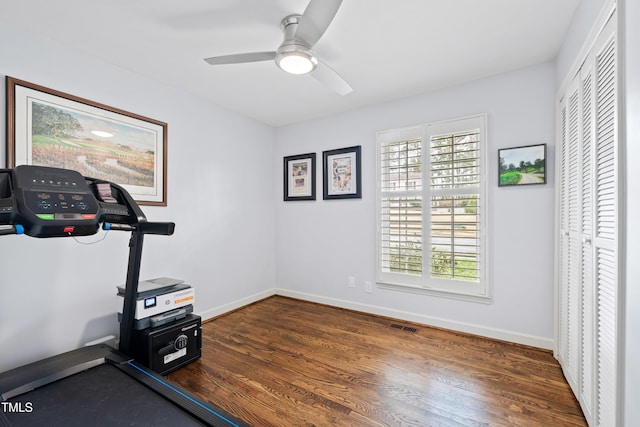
(385,49)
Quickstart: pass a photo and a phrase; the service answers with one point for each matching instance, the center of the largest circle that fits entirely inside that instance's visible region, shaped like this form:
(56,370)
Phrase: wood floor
(284,362)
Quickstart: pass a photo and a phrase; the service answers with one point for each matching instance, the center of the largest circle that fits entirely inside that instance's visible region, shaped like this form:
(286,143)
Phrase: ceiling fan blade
(241,58)
(328,77)
(316,19)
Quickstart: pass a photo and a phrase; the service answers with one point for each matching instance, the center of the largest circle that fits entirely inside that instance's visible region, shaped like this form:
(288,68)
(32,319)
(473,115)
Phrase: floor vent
(404,328)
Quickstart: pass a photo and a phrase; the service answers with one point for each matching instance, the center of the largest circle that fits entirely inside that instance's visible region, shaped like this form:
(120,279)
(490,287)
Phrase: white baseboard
(234,305)
(530,340)
(500,334)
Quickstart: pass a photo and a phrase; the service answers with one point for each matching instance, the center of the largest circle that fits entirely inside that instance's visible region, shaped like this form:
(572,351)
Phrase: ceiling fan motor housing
(294,55)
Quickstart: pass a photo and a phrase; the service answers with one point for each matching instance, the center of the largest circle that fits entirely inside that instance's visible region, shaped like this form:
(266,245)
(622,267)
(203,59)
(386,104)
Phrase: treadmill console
(53,202)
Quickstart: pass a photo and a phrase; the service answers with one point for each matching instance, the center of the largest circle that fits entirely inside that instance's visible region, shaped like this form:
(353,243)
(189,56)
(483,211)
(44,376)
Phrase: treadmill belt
(101,396)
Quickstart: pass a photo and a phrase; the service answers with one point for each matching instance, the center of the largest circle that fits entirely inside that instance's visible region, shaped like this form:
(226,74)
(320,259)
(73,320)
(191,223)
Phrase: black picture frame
(524,165)
(300,177)
(342,173)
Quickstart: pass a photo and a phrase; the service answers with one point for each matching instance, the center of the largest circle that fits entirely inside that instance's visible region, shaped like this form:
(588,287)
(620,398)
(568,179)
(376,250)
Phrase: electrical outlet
(351,282)
(368,287)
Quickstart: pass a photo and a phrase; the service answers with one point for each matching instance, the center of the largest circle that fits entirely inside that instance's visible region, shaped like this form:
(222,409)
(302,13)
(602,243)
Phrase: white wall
(581,25)
(320,243)
(631,156)
(56,294)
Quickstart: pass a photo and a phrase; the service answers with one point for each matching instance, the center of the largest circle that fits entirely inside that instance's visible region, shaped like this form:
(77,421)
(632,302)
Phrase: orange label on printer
(184,299)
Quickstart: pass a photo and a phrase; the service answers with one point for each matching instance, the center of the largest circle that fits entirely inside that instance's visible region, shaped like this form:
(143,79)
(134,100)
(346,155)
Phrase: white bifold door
(587,258)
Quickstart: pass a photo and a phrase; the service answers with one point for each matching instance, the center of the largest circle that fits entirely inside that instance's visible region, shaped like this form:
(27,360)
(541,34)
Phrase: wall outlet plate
(368,287)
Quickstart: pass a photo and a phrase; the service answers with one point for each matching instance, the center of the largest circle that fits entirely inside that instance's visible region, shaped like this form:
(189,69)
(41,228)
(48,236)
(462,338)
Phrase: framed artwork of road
(50,128)
(524,165)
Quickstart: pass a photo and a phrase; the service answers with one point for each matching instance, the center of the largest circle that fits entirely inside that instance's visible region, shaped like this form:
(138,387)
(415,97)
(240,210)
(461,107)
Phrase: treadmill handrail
(161,228)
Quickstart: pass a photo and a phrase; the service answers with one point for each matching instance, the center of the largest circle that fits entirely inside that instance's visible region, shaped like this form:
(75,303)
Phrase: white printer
(159,301)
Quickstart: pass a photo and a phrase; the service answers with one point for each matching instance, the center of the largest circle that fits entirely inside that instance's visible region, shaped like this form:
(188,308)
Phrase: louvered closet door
(605,230)
(570,305)
(587,394)
(563,244)
(588,241)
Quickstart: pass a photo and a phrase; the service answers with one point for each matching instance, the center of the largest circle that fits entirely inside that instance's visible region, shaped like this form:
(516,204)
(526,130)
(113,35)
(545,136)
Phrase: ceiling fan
(294,55)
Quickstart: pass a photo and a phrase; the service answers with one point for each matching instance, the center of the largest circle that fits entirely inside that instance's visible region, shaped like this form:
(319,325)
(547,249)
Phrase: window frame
(480,290)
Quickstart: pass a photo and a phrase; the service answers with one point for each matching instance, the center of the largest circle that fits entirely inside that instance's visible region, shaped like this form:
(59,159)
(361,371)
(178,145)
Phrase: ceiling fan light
(296,62)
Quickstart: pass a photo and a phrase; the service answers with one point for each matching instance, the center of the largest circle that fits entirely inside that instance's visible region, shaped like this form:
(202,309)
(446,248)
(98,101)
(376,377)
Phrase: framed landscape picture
(47,127)
(342,174)
(300,177)
(524,165)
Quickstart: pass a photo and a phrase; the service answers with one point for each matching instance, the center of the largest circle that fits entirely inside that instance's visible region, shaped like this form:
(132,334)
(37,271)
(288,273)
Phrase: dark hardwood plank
(284,362)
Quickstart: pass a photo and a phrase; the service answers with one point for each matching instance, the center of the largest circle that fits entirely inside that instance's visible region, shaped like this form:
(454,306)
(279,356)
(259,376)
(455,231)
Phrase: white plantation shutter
(455,193)
(431,210)
(401,207)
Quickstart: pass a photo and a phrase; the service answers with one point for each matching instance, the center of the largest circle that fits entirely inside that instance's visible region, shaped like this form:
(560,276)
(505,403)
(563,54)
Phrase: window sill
(483,299)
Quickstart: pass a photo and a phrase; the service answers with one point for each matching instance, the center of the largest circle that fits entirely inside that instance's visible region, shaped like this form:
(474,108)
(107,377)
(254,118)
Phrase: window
(431,208)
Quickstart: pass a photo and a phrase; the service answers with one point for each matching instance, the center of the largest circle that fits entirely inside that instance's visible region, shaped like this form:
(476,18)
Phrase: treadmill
(95,385)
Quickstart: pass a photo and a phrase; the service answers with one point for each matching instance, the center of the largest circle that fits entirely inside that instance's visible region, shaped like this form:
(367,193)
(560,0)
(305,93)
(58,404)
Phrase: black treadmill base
(98,386)
(102,396)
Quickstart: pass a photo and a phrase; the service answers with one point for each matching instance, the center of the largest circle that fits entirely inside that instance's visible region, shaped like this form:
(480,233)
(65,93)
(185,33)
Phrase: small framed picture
(300,177)
(342,174)
(522,165)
